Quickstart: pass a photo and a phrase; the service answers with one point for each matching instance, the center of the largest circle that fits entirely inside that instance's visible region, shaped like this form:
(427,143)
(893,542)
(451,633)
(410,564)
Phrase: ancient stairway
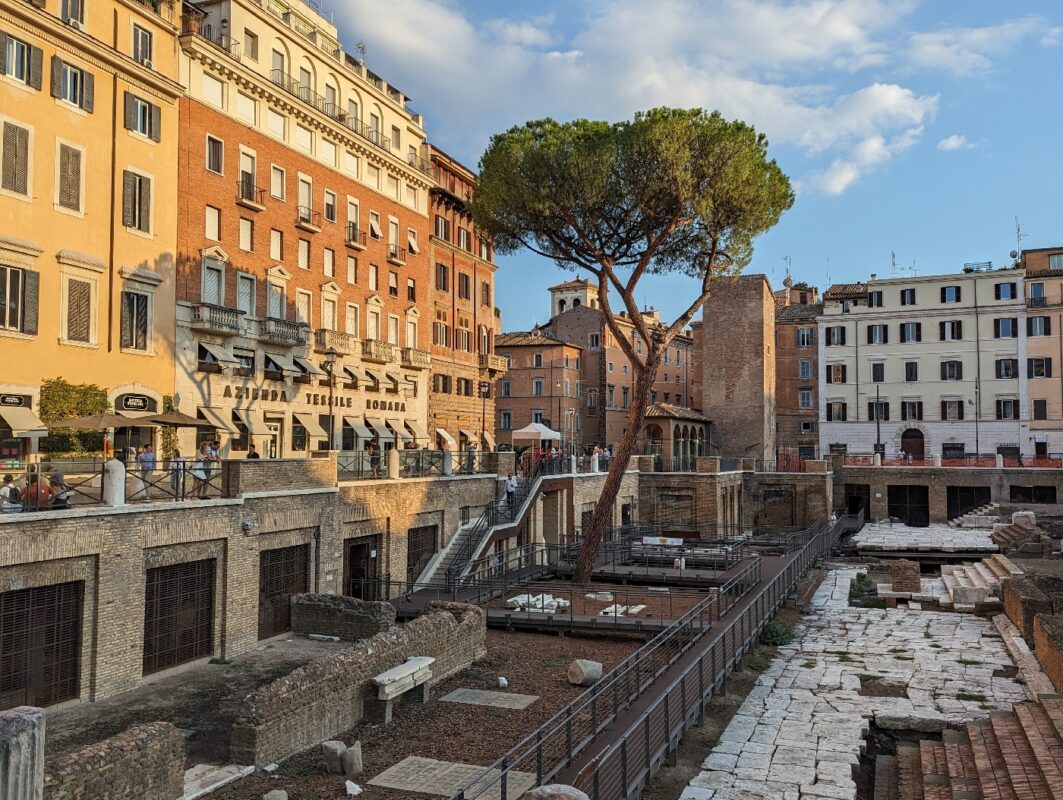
(975,581)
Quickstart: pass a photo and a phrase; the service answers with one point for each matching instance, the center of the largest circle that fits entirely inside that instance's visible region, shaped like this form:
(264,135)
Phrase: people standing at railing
(511,489)
(470,458)
(10,496)
(61,491)
(37,496)
(178,467)
(374,458)
(146,462)
(252,451)
(201,471)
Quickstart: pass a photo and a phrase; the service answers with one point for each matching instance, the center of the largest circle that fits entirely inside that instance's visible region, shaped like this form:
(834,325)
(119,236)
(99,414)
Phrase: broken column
(584,672)
(22,753)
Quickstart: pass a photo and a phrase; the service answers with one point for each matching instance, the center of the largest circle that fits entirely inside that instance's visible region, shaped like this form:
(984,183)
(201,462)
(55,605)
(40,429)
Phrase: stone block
(276,794)
(556,791)
(352,760)
(905,576)
(969,595)
(333,751)
(22,753)
(1024,519)
(583,672)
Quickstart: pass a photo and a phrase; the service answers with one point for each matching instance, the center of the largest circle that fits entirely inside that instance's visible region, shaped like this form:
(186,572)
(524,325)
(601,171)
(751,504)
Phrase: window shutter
(15,170)
(156,123)
(829,376)
(141,342)
(1000,410)
(942,294)
(88,91)
(944,409)
(845,412)
(31,282)
(870,328)
(36,67)
(885,334)
(841,339)
(959,410)
(941,329)
(145,204)
(919,331)
(959,293)
(69,177)
(944,369)
(959,370)
(128,111)
(919,410)
(1048,326)
(843,373)
(243,290)
(1014,327)
(3,52)
(129,182)
(57,76)
(959,328)
(1029,326)
(996,296)
(1014,409)
(1029,368)
(830,412)
(1014,289)
(904,335)
(871,410)
(127,319)
(78,297)
(830,337)
(1048,368)
(996,329)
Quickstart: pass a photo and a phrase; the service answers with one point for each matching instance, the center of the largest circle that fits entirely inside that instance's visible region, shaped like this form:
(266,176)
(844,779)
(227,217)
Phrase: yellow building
(1044,344)
(88,213)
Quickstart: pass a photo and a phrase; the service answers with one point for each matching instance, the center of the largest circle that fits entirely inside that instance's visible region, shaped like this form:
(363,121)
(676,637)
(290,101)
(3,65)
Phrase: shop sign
(135,402)
(14,400)
(253,393)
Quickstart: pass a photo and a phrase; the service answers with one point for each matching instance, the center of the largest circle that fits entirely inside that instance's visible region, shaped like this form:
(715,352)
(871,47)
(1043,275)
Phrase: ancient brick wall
(274,475)
(1048,646)
(349,618)
(1022,601)
(146,761)
(325,698)
(905,576)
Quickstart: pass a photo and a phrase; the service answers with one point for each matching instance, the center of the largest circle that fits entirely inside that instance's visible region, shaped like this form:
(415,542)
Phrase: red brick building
(542,384)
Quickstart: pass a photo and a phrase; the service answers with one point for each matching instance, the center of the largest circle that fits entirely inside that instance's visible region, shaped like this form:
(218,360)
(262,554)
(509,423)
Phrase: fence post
(448,462)
(113,477)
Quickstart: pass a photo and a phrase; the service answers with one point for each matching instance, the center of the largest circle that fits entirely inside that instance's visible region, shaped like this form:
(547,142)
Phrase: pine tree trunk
(602,518)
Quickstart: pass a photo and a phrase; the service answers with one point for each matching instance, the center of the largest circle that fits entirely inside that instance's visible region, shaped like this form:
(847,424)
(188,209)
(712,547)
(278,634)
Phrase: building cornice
(453,249)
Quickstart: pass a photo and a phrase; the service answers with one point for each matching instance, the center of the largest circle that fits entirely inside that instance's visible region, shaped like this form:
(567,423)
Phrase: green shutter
(31,283)
(78,310)
(129,183)
(57,76)
(156,122)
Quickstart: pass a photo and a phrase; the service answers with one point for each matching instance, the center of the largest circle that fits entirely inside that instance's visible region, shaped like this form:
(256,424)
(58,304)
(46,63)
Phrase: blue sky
(922,128)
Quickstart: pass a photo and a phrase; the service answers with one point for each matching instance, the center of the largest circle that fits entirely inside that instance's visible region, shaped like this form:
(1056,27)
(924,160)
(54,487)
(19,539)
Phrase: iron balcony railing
(307,217)
(247,191)
(355,237)
(222,41)
(396,254)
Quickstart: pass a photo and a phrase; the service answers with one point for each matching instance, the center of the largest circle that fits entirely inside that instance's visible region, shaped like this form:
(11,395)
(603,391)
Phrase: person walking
(511,489)
(374,458)
(10,496)
(201,471)
(147,462)
(61,492)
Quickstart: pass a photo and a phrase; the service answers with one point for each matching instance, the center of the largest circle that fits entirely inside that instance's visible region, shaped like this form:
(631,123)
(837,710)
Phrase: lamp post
(330,366)
(485,388)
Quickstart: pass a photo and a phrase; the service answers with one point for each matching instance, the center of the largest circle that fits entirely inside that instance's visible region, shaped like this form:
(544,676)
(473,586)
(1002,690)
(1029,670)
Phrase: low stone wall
(349,618)
(278,474)
(146,761)
(905,576)
(323,699)
(1023,600)
(1048,646)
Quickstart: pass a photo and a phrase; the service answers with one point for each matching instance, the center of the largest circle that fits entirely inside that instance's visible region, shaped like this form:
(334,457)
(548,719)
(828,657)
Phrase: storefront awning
(397,426)
(358,426)
(222,355)
(309,367)
(23,422)
(446,437)
(417,429)
(253,419)
(135,414)
(391,376)
(219,419)
(284,363)
(376,376)
(355,372)
(469,437)
(313,427)
(489,440)
(382,430)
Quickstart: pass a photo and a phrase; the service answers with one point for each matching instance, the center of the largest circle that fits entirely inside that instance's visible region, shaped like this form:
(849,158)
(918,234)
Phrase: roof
(798,313)
(840,291)
(529,338)
(673,411)
(578,283)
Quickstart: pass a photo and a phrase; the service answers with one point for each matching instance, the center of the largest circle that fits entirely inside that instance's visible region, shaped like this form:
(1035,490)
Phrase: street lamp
(330,366)
(485,389)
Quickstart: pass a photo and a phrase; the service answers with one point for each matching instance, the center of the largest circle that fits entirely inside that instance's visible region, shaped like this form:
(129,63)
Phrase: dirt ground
(670,781)
(202,700)
(533,664)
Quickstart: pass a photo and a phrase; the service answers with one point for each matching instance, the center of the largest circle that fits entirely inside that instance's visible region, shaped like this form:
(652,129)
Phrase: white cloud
(968,51)
(533,33)
(956,141)
(1052,37)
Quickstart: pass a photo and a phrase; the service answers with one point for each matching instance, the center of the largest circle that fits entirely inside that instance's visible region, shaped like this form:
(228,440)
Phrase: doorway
(359,567)
(910,504)
(282,574)
(963,499)
(273,443)
(420,547)
(912,444)
(857,496)
(178,614)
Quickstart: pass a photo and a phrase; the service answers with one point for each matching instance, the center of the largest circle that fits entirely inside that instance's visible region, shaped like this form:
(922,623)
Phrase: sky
(921,129)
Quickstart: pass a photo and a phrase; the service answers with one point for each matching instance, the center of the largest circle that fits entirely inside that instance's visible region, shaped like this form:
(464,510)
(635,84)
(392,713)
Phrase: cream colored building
(941,360)
(88,108)
(1044,344)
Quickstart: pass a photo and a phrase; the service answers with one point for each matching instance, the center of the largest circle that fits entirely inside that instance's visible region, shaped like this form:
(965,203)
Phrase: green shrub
(776,632)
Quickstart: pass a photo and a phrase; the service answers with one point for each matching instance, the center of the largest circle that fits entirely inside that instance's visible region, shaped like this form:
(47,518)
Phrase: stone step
(1019,762)
(997,571)
(203,779)
(1045,743)
(909,773)
(960,760)
(935,770)
(885,778)
(975,577)
(989,762)
(950,585)
(987,574)
(1053,706)
(1007,564)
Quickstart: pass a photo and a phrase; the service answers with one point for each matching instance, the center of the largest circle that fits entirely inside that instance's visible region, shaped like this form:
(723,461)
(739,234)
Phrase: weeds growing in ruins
(776,633)
(973,697)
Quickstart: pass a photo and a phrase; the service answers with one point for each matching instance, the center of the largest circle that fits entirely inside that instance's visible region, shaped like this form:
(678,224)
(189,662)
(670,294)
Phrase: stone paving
(800,732)
(482,697)
(429,776)
(897,537)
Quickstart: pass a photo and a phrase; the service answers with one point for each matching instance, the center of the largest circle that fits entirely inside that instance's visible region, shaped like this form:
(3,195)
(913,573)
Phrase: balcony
(223,41)
(217,319)
(412,358)
(492,362)
(343,343)
(283,331)
(355,238)
(248,195)
(419,163)
(396,255)
(308,219)
(378,352)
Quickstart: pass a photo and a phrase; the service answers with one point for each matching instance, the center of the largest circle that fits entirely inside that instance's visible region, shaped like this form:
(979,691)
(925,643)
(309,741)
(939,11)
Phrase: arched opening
(652,437)
(561,306)
(912,443)
(575,302)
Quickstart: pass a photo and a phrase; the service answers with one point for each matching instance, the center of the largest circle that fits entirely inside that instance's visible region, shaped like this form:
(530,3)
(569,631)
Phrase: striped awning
(219,418)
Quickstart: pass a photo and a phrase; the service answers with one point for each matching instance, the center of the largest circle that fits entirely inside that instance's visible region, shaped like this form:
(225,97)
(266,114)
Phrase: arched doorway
(912,443)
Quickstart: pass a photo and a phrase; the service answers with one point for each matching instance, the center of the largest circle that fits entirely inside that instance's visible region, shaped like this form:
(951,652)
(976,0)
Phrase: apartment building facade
(1044,344)
(541,384)
(796,373)
(303,239)
(464,319)
(88,111)
(923,366)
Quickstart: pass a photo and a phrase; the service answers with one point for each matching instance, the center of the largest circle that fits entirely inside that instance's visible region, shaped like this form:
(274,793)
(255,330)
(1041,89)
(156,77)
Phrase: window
(878,372)
(952,410)
(836,411)
(15,171)
(247,234)
(142,45)
(1007,368)
(71,84)
(507,388)
(212,224)
(907,297)
(328,313)
(304,254)
(1055,261)
(537,387)
(911,409)
(1040,409)
(485,293)
(143,117)
(911,332)
(277,182)
(537,359)
(952,370)
(372,176)
(878,334)
(215,155)
(950,331)
(350,322)
(393,284)
(441,329)
(805,337)
(304,139)
(537,416)
(69,178)
(329,262)
(442,228)
(911,371)
(246,108)
(1008,408)
(464,286)
(276,124)
(212,290)
(950,294)
(23,62)
(330,205)
(373,324)
(245,294)
(804,398)
(464,240)
(351,163)
(874,299)
(303,302)
(277,303)
(213,91)
(72,11)
(396,136)
(352,269)
(393,187)
(276,244)
(374,225)
(1038,326)
(464,341)
(442,277)
(1005,327)
(878,410)
(836,373)
(78,311)
(411,290)
(251,45)
(18,300)
(136,201)
(593,341)
(1037,294)
(505,420)
(835,335)
(808,426)
(374,278)
(1039,367)
(135,327)
(1004,291)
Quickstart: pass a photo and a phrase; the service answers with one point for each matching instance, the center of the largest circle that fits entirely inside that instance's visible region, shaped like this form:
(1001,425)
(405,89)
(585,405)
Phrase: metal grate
(359,565)
(420,547)
(282,573)
(40,645)
(178,614)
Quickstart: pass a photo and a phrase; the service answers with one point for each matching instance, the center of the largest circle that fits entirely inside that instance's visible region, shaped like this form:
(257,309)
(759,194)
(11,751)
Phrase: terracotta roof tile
(675,412)
(845,290)
(798,313)
(521,338)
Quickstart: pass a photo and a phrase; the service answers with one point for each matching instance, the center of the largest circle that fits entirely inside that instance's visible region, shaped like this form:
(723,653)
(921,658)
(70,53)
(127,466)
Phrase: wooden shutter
(3,53)
(1014,327)
(830,412)
(830,334)
(996,296)
(996,329)
(945,409)
(959,328)
(78,310)
(919,410)
(57,76)
(145,203)
(88,91)
(69,177)
(919,331)
(128,111)
(885,411)
(141,322)
(904,335)
(959,293)
(943,290)
(830,378)
(941,329)
(1015,409)
(15,172)
(845,412)
(1014,290)
(31,282)
(1048,326)
(129,184)
(1029,326)
(959,409)
(944,370)
(843,373)
(156,123)
(871,410)
(127,320)
(1048,367)
(959,370)
(841,337)
(36,74)
(870,337)
(1000,409)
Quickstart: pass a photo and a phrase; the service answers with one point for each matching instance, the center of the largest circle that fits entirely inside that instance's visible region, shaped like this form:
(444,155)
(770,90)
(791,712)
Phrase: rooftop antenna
(893,263)
(360,48)
(914,268)
(828,270)
(1019,236)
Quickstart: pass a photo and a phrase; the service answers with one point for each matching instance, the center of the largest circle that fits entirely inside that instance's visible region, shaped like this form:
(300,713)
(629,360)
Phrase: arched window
(561,306)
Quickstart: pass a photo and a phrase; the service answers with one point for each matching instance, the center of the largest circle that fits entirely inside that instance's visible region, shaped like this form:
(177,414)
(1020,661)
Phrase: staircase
(970,583)
(1010,536)
(1011,755)
(982,517)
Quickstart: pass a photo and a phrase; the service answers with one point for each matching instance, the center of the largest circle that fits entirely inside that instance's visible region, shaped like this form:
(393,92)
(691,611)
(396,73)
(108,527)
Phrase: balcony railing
(417,162)
(247,193)
(345,344)
(415,359)
(377,351)
(396,254)
(492,362)
(356,238)
(219,319)
(222,41)
(307,218)
(164,8)
(284,331)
